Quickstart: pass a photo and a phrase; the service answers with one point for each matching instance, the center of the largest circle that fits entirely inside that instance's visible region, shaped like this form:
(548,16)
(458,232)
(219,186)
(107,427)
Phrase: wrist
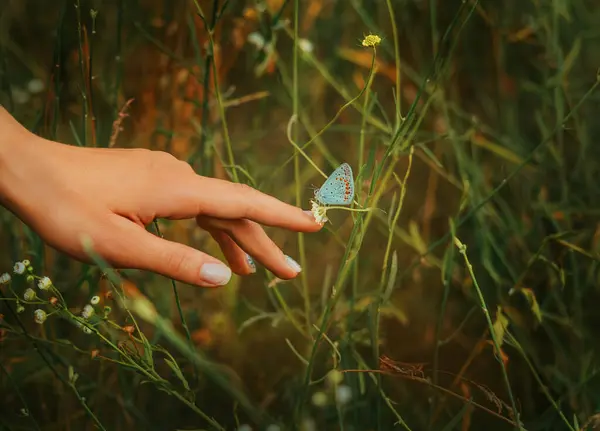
(15,141)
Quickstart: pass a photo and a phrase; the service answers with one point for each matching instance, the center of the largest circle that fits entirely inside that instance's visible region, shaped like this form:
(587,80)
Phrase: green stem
(462,248)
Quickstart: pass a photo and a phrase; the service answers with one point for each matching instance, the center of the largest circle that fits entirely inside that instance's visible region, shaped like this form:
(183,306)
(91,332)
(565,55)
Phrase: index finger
(227,200)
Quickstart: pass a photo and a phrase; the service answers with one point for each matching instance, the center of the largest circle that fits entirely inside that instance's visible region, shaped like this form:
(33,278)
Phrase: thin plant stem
(444,238)
(178,303)
(20,395)
(514,342)
(462,248)
(297,182)
(301,149)
(397,62)
(228,146)
(84,105)
(38,348)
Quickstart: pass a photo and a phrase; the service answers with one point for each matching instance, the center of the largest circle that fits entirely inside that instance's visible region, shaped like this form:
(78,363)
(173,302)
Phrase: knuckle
(175,261)
(164,156)
(244,188)
(185,167)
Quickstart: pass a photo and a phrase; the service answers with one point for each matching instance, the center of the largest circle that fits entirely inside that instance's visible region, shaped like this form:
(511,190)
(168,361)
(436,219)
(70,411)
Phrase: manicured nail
(311,215)
(251,263)
(293,264)
(215,273)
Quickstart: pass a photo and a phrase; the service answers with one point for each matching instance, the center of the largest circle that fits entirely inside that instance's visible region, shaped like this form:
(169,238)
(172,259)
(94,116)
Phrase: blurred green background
(490,106)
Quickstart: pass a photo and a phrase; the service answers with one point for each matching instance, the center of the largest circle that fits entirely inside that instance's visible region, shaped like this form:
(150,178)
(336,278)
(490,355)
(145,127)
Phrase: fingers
(252,239)
(131,246)
(239,261)
(226,200)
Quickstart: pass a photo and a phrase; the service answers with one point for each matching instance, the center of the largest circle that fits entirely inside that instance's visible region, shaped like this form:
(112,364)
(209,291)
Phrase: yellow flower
(371,40)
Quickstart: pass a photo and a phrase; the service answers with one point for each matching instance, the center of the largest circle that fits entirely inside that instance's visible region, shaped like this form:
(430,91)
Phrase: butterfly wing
(338,189)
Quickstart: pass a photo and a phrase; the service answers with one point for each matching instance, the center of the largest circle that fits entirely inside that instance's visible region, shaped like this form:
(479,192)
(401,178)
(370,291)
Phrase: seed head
(29,294)
(40,316)
(44,283)
(88,311)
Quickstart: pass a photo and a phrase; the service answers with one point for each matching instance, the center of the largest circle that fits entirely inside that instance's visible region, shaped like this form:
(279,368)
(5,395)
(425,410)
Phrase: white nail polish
(251,263)
(215,273)
(293,264)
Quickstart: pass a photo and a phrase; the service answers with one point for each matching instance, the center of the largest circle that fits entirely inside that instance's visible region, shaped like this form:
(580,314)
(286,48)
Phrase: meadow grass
(458,291)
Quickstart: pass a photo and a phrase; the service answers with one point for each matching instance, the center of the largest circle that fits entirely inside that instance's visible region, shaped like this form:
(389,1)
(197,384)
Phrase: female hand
(65,193)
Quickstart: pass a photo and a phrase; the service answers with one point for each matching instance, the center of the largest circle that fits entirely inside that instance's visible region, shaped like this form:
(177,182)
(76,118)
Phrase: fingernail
(310,214)
(215,273)
(251,263)
(293,264)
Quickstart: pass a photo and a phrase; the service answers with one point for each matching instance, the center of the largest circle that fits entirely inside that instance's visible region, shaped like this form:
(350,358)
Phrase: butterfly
(338,189)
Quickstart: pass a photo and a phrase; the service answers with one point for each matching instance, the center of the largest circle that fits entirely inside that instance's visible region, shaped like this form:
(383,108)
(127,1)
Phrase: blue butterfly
(338,189)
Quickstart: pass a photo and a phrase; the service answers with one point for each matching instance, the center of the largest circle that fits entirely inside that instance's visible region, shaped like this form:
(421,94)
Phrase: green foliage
(460,292)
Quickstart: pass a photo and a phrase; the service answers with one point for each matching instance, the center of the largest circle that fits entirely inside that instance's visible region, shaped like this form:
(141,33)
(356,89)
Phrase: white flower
(19,268)
(319,212)
(305,45)
(4,278)
(39,316)
(95,300)
(87,312)
(343,394)
(87,330)
(29,294)
(35,86)
(44,283)
(257,40)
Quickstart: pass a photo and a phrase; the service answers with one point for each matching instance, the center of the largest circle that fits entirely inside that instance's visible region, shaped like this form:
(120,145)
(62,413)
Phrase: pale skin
(66,193)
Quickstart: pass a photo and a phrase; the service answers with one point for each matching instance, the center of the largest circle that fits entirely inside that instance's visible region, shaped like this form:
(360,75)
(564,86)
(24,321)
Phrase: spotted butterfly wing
(338,189)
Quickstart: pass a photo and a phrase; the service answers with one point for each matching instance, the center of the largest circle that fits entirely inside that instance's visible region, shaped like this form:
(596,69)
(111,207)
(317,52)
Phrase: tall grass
(458,292)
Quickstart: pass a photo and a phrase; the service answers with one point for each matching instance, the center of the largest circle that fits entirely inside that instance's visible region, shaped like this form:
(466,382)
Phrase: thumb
(139,249)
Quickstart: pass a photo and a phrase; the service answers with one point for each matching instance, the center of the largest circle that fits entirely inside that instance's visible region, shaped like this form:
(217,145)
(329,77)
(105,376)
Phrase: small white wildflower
(40,316)
(87,312)
(305,45)
(95,300)
(319,212)
(343,394)
(44,283)
(29,294)
(35,86)
(87,330)
(257,40)
(4,278)
(19,268)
